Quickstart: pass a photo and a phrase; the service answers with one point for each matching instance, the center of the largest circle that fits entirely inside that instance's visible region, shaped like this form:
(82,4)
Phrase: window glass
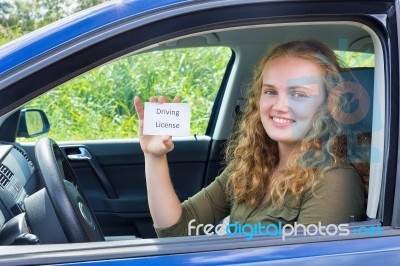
(356,59)
(98,104)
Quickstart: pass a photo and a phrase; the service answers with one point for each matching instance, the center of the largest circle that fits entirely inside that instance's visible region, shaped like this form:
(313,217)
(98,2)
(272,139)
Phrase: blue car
(72,175)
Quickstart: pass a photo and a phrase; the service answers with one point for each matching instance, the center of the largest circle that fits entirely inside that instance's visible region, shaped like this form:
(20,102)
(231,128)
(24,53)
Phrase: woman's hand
(155,146)
(164,204)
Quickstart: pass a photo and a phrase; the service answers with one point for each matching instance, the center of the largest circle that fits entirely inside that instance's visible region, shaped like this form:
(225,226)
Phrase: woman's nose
(281,104)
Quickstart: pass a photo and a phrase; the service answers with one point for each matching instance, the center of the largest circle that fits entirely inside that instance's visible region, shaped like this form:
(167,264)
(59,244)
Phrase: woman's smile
(291,94)
(280,121)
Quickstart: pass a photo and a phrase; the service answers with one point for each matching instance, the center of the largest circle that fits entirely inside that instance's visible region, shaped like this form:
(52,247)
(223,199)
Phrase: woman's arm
(165,207)
(208,206)
(171,218)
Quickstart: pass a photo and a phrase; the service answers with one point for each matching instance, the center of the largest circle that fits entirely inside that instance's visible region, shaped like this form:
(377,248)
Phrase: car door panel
(194,163)
(123,165)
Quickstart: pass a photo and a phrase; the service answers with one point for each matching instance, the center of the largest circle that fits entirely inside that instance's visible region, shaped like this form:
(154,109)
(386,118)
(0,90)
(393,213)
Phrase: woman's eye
(269,92)
(298,94)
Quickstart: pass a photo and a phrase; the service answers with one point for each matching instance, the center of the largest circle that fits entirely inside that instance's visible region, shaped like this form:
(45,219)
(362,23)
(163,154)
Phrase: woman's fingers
(176,99)
(167,141)
(151,144)
(154,99)
(139,107)
(140,112)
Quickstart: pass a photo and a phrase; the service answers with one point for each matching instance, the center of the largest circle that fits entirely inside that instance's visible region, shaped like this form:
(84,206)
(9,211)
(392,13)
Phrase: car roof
(73,27)
(98,18)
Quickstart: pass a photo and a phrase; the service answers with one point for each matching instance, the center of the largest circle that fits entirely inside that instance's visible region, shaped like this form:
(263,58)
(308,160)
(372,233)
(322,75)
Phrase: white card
(166,119)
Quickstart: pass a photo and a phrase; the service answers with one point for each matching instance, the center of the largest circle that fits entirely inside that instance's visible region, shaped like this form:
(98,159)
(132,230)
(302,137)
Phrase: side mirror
(32,123)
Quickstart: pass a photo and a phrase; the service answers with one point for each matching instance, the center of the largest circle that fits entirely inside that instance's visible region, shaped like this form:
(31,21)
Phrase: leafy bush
(98,104)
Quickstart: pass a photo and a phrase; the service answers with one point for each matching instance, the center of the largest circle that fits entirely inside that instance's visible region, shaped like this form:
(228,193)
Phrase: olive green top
(337,196)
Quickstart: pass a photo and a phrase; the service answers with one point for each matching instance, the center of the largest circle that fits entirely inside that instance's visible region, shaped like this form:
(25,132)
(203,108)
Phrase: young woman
(287,160)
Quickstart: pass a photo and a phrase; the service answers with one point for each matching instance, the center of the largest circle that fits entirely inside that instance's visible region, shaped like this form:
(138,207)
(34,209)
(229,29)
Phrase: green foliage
(98,104)
(356,59)
(19,17)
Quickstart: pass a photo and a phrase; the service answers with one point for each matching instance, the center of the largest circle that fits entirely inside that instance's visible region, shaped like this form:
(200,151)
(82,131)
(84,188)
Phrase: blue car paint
(64,31)
(369,251)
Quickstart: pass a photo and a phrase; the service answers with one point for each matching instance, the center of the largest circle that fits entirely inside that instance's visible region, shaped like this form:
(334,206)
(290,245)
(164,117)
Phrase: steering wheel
(72,209)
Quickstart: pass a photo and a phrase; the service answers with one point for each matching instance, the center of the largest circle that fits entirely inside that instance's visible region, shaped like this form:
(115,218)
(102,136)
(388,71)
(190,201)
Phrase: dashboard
(18,180)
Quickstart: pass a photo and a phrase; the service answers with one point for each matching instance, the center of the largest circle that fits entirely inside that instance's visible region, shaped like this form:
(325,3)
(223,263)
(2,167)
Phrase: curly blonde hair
(252,156)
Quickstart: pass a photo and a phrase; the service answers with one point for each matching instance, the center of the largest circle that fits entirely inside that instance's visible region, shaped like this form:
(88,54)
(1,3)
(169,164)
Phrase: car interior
(86,191)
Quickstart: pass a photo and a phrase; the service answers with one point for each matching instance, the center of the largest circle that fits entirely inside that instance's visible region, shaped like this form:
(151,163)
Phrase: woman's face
(291,92)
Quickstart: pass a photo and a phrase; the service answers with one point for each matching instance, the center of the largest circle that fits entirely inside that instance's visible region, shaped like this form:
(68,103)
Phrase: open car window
(99,104)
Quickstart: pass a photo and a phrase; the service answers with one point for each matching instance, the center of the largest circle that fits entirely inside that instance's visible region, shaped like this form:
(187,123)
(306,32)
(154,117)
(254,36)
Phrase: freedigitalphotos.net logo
(368,230)
(283,230)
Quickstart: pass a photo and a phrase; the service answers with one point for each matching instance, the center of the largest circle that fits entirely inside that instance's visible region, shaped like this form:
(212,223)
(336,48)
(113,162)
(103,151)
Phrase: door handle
(84,155)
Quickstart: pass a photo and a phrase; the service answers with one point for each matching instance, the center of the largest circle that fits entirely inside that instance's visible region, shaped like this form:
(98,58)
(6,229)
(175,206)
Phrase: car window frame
(103,59)
(132,48)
